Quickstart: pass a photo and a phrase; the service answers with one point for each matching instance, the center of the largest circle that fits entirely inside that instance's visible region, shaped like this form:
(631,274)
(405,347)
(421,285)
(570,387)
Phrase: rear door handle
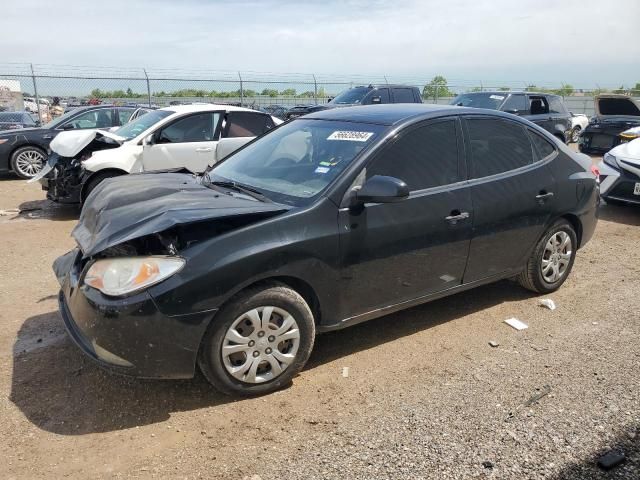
(204,149)
(456,216)
(544,195)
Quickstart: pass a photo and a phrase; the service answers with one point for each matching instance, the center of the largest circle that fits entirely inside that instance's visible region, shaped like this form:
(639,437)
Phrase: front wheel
(26,162)
(258,342)
(575,134)
(551,260)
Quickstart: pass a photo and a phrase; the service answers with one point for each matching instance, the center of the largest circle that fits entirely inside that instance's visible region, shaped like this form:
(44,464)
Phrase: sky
(585,42)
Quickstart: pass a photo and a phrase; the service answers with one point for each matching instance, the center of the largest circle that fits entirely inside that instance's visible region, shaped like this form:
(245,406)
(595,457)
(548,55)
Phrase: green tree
(129,92)
(565,90)
(288,92)
(437,88)
(97,93)
(269,92)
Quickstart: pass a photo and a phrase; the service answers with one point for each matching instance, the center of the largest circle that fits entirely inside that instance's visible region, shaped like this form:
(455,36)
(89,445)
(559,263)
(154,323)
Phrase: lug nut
(267,351)
(252,343)
(271,338)
(256,353)
(261,334)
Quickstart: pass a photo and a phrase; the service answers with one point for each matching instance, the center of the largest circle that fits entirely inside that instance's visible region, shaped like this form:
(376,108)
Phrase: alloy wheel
(556,257)
(260,344)
(575,134)
(28,163)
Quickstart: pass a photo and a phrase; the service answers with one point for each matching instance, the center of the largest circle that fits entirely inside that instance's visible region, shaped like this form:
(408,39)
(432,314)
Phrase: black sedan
(615,114)
(16,120)
(327,221)
(24,151)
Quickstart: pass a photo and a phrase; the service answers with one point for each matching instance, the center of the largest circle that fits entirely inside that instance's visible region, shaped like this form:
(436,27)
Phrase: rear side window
(515,103)
(538,106)
(556,105)
(424,157)
(247,124)
(199,127)
(542,145)
(497,146)
(124,114)
(383,93)
(403,95)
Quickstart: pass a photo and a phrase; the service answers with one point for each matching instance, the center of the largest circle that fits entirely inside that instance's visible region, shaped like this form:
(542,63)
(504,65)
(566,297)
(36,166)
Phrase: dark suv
(356,96)
(546,110)
(324,222)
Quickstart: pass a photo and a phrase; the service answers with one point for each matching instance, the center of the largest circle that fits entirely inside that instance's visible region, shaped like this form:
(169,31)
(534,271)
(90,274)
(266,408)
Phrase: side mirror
(149,140)
(382,189)
(375,100)
(68,126)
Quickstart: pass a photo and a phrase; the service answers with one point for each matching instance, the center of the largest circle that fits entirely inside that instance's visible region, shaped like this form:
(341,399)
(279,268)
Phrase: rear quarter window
(543,147)
(403,95)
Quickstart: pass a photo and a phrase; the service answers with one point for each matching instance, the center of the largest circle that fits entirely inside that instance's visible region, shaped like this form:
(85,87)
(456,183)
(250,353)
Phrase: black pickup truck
(370,95)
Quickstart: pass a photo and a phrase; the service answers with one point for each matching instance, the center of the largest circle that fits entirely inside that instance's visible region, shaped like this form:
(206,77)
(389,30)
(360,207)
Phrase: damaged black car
(614,114)
(325,222)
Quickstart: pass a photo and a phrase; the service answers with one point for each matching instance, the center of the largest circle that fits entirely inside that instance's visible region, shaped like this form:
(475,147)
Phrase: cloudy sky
(582,42)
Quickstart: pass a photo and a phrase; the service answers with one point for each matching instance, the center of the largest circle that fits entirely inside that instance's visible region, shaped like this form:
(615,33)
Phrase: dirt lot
(425,395)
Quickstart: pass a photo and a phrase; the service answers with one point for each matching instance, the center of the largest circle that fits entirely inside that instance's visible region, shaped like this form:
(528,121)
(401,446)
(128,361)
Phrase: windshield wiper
(252,192)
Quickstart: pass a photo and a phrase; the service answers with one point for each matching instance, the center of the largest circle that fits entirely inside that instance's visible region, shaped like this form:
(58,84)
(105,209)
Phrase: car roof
(393,113)
(509,92)
(205,107)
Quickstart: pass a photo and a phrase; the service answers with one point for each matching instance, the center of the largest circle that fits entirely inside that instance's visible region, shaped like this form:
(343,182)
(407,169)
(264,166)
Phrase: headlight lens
(611,160)
(123,275)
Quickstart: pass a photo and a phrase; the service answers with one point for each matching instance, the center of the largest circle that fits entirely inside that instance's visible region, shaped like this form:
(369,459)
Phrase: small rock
(487,464)
(494,344)
(611,459)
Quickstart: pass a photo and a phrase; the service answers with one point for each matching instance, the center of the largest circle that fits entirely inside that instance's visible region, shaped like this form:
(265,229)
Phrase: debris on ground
(345,372)
(611,459)
(547,303)
(515,323)
(546,390)
(10,211)
(487,464)
(494,344)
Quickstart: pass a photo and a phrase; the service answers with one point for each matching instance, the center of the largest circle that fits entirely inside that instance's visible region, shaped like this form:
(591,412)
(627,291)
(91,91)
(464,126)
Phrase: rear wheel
(27,161)
(258,342)
(551,260)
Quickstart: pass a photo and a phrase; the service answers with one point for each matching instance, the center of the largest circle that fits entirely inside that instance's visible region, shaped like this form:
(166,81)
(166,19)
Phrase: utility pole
(35,92)
(148,86)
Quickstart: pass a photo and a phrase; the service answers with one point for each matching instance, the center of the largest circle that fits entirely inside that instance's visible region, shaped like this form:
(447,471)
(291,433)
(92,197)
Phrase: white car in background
(579,122)
(186,137)
(619,174)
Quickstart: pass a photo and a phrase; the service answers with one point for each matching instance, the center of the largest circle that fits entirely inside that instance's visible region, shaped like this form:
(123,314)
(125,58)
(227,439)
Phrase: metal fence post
(35,92)
(315,88)
(148,86)
(241,90)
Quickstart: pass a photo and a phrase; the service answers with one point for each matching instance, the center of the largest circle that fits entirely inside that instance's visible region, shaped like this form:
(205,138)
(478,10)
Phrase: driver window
(199,127)
(92,119)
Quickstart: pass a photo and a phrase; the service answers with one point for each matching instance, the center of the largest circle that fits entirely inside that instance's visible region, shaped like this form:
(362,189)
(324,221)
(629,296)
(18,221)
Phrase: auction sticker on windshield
(350,136)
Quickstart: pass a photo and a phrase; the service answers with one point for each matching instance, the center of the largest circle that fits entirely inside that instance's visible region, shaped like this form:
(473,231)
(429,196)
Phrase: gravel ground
(425,395)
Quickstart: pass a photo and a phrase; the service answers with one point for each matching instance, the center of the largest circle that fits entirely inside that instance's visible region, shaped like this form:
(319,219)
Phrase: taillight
(596,172)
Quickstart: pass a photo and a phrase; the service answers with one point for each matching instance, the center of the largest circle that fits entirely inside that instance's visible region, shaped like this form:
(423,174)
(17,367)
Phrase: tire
(575,134)
(95,180)
(26,162)
(541,268)
(249,369)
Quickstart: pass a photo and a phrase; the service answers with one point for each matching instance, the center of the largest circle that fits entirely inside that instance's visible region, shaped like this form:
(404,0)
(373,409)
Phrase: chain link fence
(32,87)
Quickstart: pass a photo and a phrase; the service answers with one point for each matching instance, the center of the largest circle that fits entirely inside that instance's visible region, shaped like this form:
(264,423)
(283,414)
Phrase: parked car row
(323,222)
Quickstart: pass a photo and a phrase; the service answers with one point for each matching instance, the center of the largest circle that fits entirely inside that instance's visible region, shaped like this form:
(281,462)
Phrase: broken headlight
(611,161)
(124,275)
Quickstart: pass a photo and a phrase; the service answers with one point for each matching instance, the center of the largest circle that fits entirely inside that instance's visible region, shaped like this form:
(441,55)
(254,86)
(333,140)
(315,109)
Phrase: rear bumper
(130,335)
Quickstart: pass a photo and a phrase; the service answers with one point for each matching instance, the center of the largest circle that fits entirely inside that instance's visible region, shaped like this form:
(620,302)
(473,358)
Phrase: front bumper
(618,185)
(129,335)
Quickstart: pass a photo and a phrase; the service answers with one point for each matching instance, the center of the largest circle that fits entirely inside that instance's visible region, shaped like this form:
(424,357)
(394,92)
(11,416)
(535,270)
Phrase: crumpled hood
(616,106)
(70,143)
(133,206)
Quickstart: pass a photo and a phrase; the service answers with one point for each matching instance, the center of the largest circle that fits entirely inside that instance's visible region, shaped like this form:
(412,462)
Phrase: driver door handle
(456,216)
(204,149)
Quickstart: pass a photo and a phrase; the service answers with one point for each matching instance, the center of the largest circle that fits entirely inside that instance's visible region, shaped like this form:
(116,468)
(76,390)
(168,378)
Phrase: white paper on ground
(547,302)
(515,323)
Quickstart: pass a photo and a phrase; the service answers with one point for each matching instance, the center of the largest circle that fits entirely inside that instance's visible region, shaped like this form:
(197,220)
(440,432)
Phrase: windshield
(488,100)
(351,96)
(296,162)
(142,123)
